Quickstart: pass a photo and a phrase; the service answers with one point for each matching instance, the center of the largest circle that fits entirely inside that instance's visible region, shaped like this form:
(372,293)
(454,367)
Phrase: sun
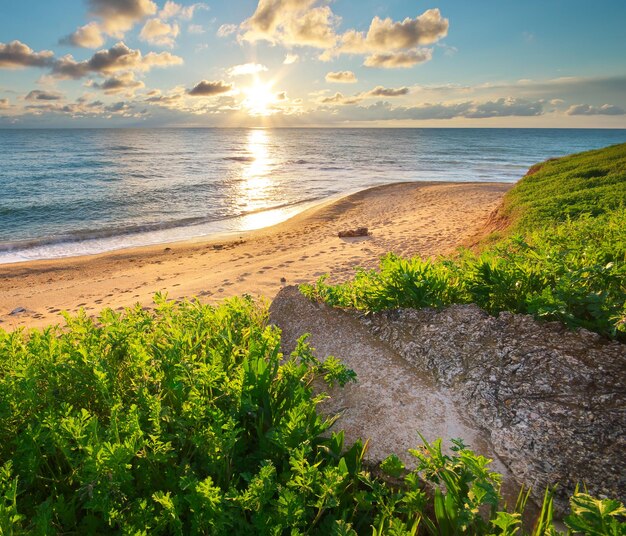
(259,99)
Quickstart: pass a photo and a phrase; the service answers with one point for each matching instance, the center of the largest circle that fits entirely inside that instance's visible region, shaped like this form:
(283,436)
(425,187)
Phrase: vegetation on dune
(562,256)
(186,420)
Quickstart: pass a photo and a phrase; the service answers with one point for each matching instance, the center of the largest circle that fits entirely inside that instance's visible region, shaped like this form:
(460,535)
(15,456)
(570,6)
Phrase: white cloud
(157,32)
(174,10)
(290,59)
(291,22)
(246,69)
(88,36)
(387,43)
(226,29)
(341,77)
(117,58)
(195,29)
(395,60)
(385,35)
(587,109)
(119,16)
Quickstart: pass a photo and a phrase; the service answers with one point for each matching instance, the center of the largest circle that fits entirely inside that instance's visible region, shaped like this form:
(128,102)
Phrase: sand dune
(425,218)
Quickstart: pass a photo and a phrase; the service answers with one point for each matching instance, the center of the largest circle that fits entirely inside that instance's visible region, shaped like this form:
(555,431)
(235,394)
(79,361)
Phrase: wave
(85,235)
(240,158)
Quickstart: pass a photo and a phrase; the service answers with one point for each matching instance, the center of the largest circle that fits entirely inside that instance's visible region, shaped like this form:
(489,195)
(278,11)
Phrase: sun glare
(259,99)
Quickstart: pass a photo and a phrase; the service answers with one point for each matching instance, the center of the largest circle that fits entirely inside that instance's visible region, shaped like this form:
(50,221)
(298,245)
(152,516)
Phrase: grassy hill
(560,254)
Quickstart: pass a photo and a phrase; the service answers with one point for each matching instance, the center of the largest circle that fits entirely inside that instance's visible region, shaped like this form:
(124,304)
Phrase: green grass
(561,257)
(187,420)
(590,184)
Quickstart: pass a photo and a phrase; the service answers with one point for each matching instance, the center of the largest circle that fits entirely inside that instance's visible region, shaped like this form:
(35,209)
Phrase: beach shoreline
(407,218)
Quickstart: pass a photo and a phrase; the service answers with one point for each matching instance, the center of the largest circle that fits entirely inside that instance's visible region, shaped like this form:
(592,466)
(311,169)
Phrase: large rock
(552,400)
(392,399)
(546,403)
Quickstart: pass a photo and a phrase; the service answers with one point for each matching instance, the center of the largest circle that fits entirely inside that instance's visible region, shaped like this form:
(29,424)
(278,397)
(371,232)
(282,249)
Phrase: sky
(323,63)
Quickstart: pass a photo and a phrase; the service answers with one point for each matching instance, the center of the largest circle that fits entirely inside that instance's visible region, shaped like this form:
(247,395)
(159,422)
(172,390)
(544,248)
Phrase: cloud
(118,58)
(290,59)
(4,104)
(195,29)
(380,91)
(246,69)
(210,89)
(122,83)
(88,36)
(383,111)
(39,95)
(157,32)
(387,43)
(119,16)
(339,98)
(385,35)
(291,22)
(341,77)
(226,29)
(505,107)
(394,60)
(586,109)
(174,10)
(15,55)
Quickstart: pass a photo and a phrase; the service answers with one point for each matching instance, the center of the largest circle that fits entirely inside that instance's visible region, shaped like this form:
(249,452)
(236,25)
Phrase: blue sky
(550,63)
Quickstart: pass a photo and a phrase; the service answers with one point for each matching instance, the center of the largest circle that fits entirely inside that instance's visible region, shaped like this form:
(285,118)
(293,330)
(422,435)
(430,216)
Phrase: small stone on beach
(351,233)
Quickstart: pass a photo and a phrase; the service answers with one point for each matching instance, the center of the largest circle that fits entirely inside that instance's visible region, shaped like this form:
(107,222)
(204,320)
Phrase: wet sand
(418,218)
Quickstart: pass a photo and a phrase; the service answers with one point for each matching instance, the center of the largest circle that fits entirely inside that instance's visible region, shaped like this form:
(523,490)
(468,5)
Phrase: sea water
(73,192)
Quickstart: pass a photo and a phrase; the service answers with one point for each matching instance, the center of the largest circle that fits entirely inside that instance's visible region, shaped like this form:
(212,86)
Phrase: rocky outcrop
(547,403)
(553,401)
(392,400)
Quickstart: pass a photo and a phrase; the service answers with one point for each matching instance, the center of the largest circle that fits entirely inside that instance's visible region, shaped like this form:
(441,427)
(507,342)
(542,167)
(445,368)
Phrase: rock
(392,400)
(352,233)
(552,400)
(283,279)
(17,311)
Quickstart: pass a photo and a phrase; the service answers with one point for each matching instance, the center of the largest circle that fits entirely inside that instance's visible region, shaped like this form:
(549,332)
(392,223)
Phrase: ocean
(85,191)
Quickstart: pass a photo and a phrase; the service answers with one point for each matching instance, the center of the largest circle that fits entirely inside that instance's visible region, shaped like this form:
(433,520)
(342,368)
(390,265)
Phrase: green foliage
(584,184)
(563,259)
(188,420)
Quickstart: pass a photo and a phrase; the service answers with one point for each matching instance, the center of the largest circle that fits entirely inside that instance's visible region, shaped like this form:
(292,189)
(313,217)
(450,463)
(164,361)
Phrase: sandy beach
(425,218)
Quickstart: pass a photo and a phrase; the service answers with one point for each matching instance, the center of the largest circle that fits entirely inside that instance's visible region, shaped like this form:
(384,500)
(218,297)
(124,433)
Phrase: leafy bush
(564,257)
(187,420)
